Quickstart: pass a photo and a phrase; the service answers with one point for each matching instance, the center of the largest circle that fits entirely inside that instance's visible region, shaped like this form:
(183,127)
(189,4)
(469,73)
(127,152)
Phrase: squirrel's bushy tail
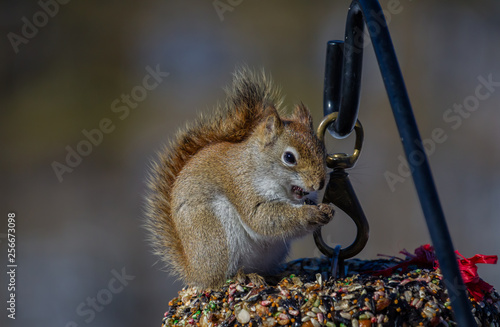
(246,101)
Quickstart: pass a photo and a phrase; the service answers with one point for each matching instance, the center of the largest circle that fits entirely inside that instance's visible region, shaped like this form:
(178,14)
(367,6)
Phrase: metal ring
(341,160)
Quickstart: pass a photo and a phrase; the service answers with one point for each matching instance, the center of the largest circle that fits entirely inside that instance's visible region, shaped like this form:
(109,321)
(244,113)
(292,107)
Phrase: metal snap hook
(339,191)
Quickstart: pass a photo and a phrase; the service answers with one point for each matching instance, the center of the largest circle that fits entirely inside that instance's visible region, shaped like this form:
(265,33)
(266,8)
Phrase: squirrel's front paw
(324,213)
(327,211)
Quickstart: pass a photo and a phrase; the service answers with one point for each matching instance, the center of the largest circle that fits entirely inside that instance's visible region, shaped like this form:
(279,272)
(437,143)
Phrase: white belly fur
(247,249)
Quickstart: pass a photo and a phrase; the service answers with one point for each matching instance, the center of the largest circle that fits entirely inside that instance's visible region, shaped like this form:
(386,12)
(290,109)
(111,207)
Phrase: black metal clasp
(342,86)
(340,192)
(344,61)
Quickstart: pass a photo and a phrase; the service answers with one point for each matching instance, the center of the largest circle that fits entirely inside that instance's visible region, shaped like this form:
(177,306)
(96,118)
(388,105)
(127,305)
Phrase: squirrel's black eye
(289,158)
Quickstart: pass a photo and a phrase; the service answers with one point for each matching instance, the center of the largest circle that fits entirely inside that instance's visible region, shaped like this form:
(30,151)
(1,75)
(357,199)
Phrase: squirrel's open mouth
(298,192)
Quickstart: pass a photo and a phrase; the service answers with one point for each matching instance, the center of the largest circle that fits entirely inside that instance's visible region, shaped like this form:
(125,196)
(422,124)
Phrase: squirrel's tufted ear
(302,114)
(272,126)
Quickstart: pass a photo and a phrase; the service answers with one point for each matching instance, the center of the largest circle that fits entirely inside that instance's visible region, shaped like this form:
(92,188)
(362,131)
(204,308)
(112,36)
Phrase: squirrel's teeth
(299,191)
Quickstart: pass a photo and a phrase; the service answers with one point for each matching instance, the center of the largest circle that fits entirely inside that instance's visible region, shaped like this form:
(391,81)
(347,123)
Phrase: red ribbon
(425,257)
(468,269)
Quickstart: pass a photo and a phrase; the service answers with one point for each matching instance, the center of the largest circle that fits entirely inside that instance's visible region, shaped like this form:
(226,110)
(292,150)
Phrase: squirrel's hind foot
(254,278)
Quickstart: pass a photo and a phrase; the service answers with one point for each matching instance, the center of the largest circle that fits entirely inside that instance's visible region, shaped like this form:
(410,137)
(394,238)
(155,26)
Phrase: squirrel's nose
(315,183)
(321,184)
(316,186)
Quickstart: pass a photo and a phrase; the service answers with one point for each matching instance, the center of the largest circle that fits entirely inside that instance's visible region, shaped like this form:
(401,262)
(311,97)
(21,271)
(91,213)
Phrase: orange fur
(228,194)
(245,105)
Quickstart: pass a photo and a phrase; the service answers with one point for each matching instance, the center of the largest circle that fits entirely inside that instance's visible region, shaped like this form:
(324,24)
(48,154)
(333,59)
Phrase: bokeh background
(76,234)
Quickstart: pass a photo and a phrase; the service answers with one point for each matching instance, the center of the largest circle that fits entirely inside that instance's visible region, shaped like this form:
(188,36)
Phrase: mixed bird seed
(307,297)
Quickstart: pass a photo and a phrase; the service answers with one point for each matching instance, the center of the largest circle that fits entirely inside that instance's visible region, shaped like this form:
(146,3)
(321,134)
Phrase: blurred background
(78,130)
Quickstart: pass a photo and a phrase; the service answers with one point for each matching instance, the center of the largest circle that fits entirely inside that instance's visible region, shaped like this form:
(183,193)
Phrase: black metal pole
(344,62)
(333,79)
(417,158)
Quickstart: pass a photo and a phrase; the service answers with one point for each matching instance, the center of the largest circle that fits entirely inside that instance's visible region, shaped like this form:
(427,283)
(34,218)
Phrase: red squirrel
(228,194)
